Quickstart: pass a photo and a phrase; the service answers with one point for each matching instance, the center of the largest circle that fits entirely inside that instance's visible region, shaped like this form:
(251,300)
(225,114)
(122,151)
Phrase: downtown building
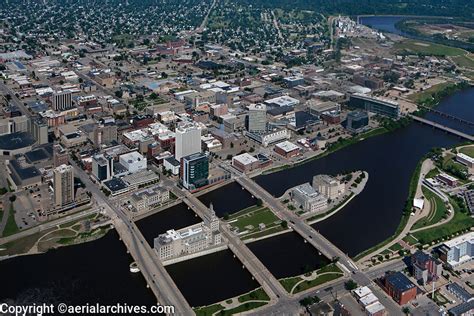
(328,186)
(194,171)
(187,140)
(458,250)
(61,100)
(380,106)
(426,269)
(63,181)
(189,240)
(149,198)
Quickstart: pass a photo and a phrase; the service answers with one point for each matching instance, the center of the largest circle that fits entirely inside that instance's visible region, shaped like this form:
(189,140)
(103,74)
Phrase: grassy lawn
(437,212)
(318,281)
(425,48)
(432,173)
(256,295)
(422,96)
(289,283)
(252,217)
(11,227)
(468,151)
(241,308)
(265,232)
(461,221)
(464,61)
(410,240)
(396,247)
(61,233)
(208,310)
(98,232)
(22,245)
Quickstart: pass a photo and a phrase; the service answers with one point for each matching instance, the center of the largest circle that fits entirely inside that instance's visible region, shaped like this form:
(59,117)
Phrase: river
(98,271)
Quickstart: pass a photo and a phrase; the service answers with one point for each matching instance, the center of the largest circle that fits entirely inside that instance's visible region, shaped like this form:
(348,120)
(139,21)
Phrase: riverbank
(332,148)
(86,229)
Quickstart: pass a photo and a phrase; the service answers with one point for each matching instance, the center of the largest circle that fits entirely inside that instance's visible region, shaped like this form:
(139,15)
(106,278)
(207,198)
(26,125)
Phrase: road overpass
(442,127)
(269,283)
(156,276)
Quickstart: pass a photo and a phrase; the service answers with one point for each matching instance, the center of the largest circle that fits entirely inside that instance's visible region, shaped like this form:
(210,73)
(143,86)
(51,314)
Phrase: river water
(99,271)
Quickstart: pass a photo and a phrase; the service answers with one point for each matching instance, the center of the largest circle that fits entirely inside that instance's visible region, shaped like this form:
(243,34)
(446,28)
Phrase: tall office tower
(257,118)
(63,185)
(39,129)
(195,171)
(188,140)
(62,100)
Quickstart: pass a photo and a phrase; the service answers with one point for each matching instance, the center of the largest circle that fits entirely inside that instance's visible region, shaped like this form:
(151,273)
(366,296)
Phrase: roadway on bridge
(258,270)
(158,279)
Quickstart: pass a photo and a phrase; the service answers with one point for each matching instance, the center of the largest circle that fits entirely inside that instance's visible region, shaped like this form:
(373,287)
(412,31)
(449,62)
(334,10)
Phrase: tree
(406,310)
(350,285)
(284,224)
(226,216)
(12,198)
(259,202)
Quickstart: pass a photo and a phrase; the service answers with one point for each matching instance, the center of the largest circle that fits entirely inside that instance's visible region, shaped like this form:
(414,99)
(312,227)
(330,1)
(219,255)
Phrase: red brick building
(400,288)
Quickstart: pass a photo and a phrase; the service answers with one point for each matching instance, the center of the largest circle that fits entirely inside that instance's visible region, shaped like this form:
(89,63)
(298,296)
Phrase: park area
(254,222)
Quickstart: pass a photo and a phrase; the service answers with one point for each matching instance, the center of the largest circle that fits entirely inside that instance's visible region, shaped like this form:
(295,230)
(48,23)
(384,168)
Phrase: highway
(158,279)
(269,283)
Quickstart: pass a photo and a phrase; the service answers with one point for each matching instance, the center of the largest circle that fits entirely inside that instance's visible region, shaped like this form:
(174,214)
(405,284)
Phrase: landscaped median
(301,283)
(243,303)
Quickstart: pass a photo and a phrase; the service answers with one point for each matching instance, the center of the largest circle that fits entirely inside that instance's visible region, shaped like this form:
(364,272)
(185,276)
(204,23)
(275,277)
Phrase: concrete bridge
(442,127)
(269,283)
(452,117)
